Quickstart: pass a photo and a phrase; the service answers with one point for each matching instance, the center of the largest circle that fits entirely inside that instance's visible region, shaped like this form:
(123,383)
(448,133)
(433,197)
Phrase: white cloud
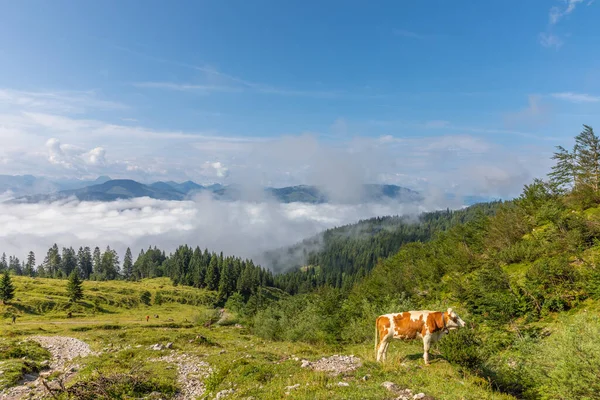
(550,40)
(71,102)
(557,13)
(240,228)
(576,97)
(57,145)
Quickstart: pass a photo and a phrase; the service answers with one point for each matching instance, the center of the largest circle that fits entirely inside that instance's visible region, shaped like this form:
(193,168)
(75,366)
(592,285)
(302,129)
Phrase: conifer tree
(7,290)
(96,261)
(74,287)
(128,265)
(562,177)
(226,281)
(212,274)
(3,263)
(587,156)
(29,269)
(84,262)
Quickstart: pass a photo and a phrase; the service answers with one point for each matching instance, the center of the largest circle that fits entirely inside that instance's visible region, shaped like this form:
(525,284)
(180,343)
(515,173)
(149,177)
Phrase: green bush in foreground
(567,365)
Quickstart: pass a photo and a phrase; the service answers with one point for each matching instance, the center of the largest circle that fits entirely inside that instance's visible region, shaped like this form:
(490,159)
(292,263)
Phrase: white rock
(343,384)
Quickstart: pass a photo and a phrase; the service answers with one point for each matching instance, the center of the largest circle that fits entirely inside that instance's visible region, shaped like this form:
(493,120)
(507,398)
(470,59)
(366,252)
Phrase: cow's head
(453,321)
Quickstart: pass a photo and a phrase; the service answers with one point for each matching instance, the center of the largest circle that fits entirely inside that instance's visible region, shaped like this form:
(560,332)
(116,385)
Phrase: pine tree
(212,274)
(226,281)
(109,265)
(14,265)
(7,290)
(74,287)
(30,266)
(96,261)
(562,177)
(69,261)
(587,156)
(3,263)
(84,262)
(128,265)
(52,261)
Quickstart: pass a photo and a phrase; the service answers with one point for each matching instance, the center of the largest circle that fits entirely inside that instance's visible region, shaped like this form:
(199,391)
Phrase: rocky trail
(63,350)
(191,372)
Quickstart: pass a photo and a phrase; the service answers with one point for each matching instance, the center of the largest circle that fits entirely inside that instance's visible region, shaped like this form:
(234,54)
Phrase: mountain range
(31,189)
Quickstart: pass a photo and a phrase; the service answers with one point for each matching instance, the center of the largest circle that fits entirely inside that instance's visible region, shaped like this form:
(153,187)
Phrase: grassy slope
(111,321)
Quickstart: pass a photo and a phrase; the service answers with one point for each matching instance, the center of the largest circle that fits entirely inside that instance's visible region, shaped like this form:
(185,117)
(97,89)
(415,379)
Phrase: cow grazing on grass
(430,326)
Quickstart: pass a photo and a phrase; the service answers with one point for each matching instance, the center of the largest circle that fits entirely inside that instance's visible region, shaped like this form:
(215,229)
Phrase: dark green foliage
(69,261)
(342,256)
(562,177)
(463,347)
(487,294)
(85,262)
(212,274)
(158,299)
(128,265)
(146,297)
(553,284)
(30,265)
(75,287)
(7,289)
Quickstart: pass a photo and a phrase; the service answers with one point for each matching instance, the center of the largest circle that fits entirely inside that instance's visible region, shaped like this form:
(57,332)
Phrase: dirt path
(191,374)
(63,350)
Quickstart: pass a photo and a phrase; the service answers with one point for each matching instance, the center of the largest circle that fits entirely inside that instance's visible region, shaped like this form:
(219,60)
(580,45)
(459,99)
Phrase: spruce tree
(96,261)
(69,261)
(587,155)
(84,262)
(3,263)
(226,281)
(7,290)
(562,177)
(128,265)
(74,287)
(212,274)
(30,266)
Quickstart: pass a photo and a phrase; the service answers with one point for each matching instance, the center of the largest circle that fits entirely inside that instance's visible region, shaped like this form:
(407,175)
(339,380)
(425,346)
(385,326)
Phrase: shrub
(158,299)
(553,284)
(145,297)
(567,365)
(463,348)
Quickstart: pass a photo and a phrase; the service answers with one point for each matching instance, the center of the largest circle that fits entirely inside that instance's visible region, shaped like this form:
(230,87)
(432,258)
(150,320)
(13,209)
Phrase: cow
(430,326)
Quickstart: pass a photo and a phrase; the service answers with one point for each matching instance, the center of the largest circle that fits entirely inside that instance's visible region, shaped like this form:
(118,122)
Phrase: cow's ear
(449,310)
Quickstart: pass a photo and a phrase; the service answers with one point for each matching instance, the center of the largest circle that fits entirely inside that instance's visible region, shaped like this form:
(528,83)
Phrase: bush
(567,365)
(463,348)
(158,299)
(487,294)
(145,297)
(553,285)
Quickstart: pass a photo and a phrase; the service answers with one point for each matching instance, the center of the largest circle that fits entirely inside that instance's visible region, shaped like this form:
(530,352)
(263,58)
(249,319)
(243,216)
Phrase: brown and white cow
(431,326)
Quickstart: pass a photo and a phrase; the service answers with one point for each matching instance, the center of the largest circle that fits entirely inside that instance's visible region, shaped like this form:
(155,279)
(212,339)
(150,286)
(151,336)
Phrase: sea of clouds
(240,228)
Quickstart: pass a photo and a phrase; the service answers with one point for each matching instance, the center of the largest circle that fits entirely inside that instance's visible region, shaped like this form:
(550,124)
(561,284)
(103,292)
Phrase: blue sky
(468,96)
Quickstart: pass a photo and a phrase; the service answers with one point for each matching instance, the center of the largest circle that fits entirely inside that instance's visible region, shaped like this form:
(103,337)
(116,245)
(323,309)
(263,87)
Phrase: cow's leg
(426,346)
(383,343)
(386,344)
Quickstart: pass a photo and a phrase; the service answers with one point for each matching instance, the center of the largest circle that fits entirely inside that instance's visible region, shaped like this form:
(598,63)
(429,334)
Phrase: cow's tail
(376,334)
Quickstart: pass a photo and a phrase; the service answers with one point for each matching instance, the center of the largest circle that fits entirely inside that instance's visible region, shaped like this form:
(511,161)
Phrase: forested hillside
(527,281)
(340,257)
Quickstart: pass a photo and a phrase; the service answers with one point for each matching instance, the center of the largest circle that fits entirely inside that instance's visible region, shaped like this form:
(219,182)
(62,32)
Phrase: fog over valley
(240,228)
